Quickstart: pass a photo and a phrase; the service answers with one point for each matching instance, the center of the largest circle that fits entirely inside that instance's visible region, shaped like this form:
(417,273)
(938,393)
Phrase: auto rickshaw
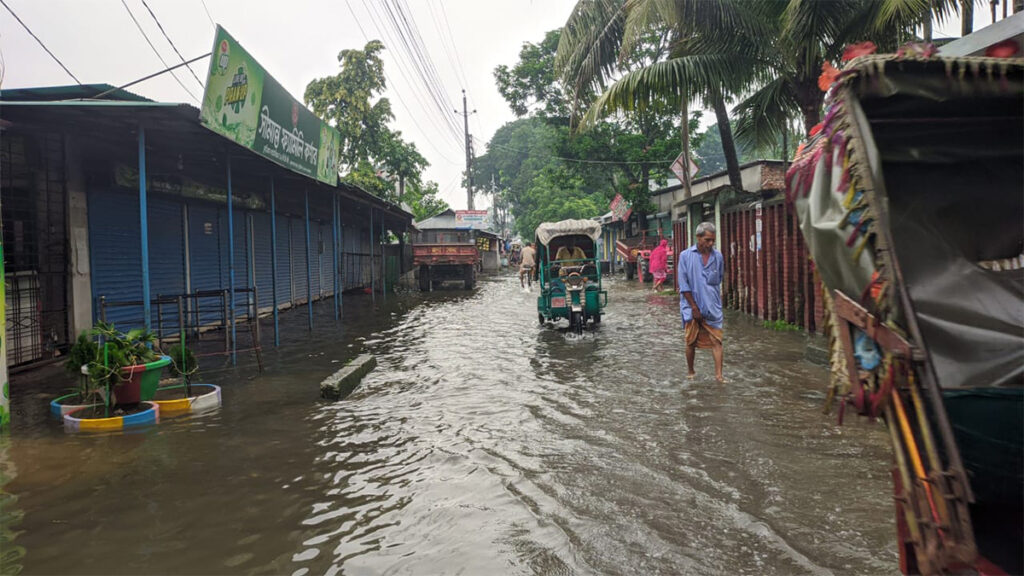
(909,200)
(570,288)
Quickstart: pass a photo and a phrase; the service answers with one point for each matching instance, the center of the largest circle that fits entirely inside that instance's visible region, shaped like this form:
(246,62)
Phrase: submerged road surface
(482,444)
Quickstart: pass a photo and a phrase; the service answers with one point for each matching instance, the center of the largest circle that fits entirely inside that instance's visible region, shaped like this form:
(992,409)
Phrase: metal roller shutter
(205,257)
(166,260)
(115,254)
(298,257)
(284,282)
(262,254)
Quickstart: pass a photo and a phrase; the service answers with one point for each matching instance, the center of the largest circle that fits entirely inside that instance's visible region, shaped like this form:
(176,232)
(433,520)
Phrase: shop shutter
(284,282)
(115,254)
(205,257)
(314,258)
(262,254)
(298,257)
(327,259)
(166,260)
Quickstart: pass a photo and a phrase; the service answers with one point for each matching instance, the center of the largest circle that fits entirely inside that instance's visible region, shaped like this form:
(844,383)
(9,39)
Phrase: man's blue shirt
(703,282)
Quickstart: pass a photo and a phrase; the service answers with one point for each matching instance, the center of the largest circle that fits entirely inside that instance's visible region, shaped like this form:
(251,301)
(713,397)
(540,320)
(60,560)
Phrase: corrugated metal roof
(52,93)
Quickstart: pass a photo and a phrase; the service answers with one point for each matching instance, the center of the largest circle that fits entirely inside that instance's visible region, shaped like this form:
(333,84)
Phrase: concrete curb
(344,381)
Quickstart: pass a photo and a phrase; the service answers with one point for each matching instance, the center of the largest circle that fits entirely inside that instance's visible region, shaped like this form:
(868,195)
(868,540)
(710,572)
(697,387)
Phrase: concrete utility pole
(469,152)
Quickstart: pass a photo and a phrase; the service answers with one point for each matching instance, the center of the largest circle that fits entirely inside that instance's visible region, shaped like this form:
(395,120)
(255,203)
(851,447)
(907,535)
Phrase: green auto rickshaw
(569,273)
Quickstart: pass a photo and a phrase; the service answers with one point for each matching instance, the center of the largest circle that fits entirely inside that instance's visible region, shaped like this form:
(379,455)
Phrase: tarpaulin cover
(550,230)
(952,156)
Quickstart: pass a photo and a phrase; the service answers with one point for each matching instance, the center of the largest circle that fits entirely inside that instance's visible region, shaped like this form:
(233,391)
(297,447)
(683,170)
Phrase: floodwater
(481,444)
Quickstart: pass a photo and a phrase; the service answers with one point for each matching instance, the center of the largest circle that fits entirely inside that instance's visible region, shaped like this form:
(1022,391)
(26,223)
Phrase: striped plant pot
(204,397)
(114,423)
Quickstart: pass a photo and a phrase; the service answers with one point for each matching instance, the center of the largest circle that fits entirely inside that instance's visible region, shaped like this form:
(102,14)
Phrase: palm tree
(600,34)
(767,54)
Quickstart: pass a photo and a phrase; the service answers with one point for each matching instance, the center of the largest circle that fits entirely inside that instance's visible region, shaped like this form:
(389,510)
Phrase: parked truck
(439,263)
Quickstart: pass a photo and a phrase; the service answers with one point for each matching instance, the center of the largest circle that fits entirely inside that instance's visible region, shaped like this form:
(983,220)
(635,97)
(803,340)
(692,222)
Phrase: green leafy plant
(183,362)
(781,326)
(84,351)
(117,350)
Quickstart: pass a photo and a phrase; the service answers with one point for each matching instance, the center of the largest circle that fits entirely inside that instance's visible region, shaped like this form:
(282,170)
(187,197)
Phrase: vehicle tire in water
(540,318)
(576,322)
(424,279)
(630,268)
(470,278)
(597,318)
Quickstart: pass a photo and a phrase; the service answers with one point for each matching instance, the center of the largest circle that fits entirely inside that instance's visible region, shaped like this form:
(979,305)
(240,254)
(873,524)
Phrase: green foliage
(83,352)
(116,350)
(781,326)
(424,200)
(346,101)
(532,84)
(183,362)
(543,171)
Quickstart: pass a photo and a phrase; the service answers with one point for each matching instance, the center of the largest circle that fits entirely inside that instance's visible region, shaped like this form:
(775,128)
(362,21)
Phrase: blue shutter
(166,260)
(263,253)
(284,282)
(114,252)
(298,258)
(205,257)
(314,257)
(327,259)
(242,277)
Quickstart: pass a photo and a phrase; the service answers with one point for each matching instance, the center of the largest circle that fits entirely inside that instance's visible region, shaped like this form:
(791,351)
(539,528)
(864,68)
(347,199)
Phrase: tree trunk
(967,17)
(732,162)
(810,99)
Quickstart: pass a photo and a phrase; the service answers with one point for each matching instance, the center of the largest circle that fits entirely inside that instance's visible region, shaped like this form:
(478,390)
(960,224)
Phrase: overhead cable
(27,29)
(169,41)
(155,51)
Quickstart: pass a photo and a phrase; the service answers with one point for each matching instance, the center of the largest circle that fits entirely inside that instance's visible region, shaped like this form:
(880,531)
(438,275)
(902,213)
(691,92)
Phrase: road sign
(677,168)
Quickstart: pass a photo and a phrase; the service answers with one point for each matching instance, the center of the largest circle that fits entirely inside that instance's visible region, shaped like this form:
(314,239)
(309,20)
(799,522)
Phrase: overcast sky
(296,41)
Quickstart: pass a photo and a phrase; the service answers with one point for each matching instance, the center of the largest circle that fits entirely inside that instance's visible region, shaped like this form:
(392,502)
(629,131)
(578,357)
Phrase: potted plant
(126,364)
(81,354)
(124,373)
(186,396)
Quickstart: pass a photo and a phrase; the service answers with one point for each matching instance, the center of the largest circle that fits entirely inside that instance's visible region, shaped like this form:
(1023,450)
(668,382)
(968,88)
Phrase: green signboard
(245,104)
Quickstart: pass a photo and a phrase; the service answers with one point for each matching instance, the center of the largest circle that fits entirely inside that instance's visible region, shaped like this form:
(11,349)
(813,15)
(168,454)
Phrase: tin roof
(73,92)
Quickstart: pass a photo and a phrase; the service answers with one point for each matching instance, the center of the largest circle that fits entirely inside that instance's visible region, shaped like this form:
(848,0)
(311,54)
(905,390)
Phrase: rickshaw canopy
(548,231)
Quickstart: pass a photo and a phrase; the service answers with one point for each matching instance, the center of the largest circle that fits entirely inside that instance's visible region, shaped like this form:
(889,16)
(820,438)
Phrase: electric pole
(469,152)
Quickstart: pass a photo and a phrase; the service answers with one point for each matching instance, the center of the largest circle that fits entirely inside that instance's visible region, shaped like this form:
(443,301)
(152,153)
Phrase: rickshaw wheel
(597,318)
(540,318)
(576,322)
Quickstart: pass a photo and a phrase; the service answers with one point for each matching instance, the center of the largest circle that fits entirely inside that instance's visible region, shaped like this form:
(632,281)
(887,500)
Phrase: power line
(577,160)
(164,32)
(27,29)
(420,65)
(412,116)
(446,121)
(162,61)
(208,17)
(455,48)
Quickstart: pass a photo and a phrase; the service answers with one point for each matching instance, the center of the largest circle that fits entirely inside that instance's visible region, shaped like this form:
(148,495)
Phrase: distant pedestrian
(659,264)
(527,263)
(699,272)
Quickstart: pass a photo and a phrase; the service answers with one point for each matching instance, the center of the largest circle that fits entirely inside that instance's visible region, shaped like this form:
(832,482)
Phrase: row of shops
(123,209)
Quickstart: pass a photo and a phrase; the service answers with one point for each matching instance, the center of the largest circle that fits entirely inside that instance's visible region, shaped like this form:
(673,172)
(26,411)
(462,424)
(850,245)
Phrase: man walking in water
(699,275)
(528,262)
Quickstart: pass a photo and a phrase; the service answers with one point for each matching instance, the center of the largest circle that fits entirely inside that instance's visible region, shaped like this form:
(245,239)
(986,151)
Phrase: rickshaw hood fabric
(548,231)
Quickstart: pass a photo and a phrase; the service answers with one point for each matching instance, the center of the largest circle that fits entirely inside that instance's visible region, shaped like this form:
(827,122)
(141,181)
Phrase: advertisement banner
(677,167)
(620,208)
(245,104)
(470,218)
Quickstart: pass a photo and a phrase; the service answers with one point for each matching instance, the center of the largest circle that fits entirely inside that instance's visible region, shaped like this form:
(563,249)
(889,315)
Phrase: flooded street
(481,444)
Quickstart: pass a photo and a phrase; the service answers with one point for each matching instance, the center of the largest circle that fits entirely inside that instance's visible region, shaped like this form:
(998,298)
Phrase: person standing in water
(659,264)
(699,274)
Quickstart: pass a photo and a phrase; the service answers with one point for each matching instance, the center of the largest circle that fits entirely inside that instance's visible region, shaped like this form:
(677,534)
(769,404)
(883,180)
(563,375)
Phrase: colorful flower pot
(204,397)
(62,405)
(72,423)
(142,381)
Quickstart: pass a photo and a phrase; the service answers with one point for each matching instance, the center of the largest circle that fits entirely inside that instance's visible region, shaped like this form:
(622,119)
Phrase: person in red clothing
(659,264)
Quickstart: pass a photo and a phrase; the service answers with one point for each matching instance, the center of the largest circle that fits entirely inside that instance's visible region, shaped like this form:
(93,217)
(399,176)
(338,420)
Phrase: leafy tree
(346,101)
(531,85)
(424,200)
